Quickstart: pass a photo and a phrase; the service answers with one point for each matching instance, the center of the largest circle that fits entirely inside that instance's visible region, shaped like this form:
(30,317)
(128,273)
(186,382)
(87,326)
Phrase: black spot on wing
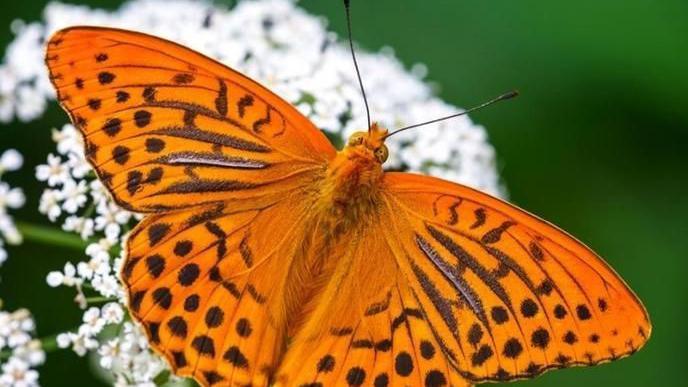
(105,77)
(235,357)
(221,99)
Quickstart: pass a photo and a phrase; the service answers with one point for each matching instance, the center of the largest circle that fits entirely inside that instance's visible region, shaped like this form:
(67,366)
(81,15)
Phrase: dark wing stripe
(454,216)
(441,304)
(253,292)
(494,235)
(464,257)
(403,316)
(467,293)
(245,251)
(195,108)
(480,217)
(505,259)
(452,360)
(262,121)
(379,307)
(212,138)
(206,185)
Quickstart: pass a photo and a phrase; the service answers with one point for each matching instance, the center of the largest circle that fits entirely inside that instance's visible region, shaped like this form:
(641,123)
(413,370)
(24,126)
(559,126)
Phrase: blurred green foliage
(596,144)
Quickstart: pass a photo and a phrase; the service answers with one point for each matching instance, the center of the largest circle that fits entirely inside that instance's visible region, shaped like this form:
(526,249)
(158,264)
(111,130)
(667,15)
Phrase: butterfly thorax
(352,184)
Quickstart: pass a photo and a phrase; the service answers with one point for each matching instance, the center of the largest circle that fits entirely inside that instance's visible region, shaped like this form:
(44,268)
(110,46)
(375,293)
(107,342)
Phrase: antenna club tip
(347,3)
(511,94)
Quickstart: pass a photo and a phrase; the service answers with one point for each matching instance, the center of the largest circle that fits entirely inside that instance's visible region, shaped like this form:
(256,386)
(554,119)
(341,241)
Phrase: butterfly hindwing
(510,295)
(165,126)
(205,284)
(368,328)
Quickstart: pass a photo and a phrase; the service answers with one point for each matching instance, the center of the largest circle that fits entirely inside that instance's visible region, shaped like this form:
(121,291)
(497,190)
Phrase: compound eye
(381,154)
(356,138)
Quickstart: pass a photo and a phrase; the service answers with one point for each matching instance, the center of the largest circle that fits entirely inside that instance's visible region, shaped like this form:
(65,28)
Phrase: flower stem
(48,344)
(50,236)
(97,300)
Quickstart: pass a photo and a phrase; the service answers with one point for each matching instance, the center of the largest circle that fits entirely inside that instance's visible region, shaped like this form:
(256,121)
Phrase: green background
(596,144)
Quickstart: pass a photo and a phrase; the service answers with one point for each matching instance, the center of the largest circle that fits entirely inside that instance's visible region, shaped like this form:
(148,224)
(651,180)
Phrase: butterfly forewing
(224,163)
(165,126)
(510,294)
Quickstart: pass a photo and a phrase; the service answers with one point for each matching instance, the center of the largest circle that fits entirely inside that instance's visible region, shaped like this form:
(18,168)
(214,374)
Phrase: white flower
(101,249)
(24,352)
(67,277)
(81,225)
(112,313)
(11,160)
(98,192)
(17,330)
(93,323)
(49,204)
(30,104)
(54,172)
(10,199)
(63,340)
(110,219)
(96,265)
(16,373)
(78,165)
(81,344)
(7,86)
(54,279)
(107,285)
(109,352)
(68,140)
(9,230)
(74,195)
(32,353)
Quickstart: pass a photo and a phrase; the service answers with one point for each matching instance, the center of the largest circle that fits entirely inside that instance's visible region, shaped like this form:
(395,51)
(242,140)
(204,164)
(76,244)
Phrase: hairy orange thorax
(354,175)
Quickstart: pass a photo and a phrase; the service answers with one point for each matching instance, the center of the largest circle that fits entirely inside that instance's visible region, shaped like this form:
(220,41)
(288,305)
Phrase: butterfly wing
(510,295)
(166,127)
(367,328)
(449,286)
(218,161)
(207,285)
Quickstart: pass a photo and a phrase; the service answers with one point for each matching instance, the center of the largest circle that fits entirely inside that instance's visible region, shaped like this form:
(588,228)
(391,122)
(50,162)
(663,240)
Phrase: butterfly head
(370,144)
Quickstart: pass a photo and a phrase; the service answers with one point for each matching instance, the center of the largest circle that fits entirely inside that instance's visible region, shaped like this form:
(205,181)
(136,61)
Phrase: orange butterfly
(269,257)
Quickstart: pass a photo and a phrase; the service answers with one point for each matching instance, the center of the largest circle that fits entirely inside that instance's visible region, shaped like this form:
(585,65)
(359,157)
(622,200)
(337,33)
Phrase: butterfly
(268,257)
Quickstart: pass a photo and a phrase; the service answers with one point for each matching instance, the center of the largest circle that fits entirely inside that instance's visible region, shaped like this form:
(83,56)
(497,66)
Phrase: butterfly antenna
(347,4)
(502,97)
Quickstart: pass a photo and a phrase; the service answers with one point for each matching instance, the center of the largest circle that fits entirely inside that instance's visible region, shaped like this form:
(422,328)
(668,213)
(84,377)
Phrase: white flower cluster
(124,350)
(272,41)
(10,198)
(19,351)
(73,190)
